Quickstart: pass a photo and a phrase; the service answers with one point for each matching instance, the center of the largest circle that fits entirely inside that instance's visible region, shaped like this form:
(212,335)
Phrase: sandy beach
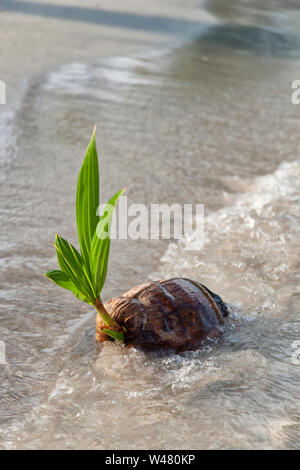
(52,33)
(192,102)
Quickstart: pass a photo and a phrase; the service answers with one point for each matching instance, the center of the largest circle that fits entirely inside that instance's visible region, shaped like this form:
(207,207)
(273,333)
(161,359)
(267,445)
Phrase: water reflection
(260,40)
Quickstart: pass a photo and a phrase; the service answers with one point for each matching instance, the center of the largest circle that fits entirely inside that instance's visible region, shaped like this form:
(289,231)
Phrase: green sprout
(84,272)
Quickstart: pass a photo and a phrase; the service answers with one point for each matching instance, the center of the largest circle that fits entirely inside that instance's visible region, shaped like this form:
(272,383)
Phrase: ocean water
(207,120)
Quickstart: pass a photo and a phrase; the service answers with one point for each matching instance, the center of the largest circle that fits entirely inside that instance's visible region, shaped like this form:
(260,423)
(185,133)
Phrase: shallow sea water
(209,121)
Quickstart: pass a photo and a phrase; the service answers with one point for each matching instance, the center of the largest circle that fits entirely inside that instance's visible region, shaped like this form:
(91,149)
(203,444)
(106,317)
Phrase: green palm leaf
(84,273)
(71,264)
(62,280)
(87,200)
(100,245)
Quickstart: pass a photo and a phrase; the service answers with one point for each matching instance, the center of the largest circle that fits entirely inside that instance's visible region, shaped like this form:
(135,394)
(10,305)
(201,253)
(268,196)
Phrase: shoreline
(50,35)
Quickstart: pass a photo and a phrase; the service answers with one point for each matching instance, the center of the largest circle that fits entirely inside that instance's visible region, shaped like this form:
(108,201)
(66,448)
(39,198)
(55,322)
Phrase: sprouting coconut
(176,314)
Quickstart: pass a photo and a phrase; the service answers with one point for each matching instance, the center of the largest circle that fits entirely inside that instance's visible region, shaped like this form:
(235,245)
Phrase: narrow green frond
(84,273)
(100,245)
(82,298)
(62,280)
(71,264)
(87,199)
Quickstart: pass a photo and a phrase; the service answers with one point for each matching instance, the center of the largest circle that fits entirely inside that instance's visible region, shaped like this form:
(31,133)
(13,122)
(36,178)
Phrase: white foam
(282,185)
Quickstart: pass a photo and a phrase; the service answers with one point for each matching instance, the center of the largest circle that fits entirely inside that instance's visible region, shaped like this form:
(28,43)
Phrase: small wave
(105,80)
(250,245)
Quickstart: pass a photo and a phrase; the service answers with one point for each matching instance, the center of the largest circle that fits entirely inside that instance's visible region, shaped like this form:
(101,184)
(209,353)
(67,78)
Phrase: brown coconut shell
(176,314)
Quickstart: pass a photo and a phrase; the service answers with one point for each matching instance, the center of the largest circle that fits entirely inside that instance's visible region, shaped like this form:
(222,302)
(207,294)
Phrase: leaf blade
(87,199)
(71,264)
(101,244)
(61,279)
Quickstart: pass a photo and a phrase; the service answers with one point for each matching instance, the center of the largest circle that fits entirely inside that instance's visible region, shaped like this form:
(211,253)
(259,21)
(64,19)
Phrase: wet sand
(52,33)
(204,119)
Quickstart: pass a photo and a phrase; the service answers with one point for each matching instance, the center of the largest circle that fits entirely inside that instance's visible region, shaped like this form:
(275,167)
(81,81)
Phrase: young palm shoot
(84,272)
(176,314)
